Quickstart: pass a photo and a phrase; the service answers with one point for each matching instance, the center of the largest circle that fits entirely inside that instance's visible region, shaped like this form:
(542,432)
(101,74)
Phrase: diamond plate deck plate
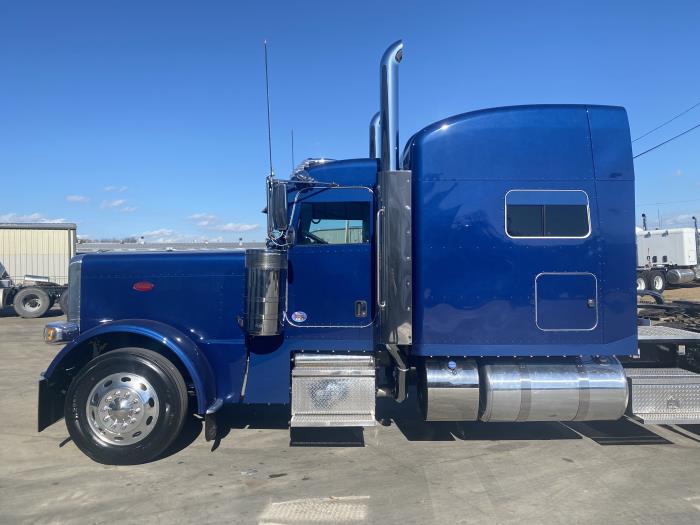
(329,391)
(336,420)
(666,334)
(668,419)
(664,395)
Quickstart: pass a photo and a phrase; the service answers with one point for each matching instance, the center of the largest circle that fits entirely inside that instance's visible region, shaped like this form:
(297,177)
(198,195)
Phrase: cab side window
(333,223)
(536,214)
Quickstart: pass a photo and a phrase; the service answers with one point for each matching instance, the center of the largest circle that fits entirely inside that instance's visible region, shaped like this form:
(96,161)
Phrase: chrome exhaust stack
(389,106)
(374,136)
(394,263)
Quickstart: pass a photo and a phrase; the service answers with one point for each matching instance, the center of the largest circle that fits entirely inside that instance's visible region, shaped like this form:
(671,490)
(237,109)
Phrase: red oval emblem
(143,286)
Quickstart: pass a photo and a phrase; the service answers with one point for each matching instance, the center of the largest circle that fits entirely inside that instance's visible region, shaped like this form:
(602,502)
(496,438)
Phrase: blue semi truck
(491,263)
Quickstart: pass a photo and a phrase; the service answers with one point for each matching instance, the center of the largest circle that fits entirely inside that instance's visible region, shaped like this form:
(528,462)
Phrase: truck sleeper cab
(492,263)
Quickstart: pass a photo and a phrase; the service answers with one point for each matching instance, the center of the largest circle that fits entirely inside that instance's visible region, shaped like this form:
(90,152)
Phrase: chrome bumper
(60,332)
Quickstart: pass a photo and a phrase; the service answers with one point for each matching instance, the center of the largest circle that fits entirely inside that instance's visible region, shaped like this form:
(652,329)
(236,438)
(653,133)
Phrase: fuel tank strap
(584,394)
(525,393)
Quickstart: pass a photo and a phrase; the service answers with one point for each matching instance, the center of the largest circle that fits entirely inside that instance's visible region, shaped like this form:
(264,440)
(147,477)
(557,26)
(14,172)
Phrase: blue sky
(135,117)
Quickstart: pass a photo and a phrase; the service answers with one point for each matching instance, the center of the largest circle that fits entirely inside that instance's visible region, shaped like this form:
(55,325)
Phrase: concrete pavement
(409,472)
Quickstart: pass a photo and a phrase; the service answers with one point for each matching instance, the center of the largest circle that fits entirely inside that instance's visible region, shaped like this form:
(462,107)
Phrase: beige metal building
(37,249)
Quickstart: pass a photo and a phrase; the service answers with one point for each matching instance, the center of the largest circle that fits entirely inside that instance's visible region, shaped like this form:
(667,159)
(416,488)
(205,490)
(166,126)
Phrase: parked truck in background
(666,256)
(491,264)
(32,296)
(35,258)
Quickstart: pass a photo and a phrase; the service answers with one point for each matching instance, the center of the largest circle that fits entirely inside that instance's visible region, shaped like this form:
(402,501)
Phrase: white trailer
(34,260)
(668,256)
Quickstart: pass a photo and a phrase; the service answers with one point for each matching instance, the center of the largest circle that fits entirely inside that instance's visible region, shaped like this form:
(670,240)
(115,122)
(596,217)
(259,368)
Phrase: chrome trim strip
(375,133)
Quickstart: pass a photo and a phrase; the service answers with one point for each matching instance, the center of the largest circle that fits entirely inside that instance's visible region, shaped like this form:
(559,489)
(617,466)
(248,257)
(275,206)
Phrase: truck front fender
(177,346)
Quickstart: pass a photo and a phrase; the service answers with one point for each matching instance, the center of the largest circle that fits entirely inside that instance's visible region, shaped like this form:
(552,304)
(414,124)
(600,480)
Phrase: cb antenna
(267,93)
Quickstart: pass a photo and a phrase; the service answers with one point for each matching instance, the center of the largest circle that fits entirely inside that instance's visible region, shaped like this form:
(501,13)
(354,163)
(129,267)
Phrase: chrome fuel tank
(553,390)
(449,389)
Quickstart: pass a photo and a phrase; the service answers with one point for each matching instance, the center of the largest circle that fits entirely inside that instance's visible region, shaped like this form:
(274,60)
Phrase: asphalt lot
(405,473)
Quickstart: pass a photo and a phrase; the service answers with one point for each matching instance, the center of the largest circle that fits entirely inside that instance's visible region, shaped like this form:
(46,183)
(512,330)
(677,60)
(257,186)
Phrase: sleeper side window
(547,213)
(333,223)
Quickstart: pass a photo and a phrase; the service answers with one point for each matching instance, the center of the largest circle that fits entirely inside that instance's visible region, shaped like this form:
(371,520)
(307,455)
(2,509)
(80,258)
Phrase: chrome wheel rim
(31,302)
(122,409)
(658,282)
(640,284)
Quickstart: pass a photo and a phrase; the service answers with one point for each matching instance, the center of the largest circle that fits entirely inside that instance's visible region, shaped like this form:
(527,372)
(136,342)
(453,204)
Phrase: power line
(668,202)
(667,122)
(666,141)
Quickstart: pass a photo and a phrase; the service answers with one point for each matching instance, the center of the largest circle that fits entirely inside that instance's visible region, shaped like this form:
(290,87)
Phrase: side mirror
(277,219)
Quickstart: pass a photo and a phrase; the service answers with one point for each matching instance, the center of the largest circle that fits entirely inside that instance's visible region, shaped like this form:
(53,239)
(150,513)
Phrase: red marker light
(143,286)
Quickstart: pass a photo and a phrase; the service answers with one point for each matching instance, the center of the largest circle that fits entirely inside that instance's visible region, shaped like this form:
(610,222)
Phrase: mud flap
(51,402)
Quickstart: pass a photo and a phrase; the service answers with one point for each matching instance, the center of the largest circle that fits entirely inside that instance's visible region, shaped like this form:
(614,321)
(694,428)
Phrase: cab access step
(664,396)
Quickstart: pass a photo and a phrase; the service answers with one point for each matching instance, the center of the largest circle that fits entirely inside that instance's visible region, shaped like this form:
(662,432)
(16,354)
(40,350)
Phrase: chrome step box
(664,396)
(333,390)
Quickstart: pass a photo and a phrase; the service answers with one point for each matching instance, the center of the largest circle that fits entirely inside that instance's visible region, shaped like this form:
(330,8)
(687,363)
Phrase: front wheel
(126,406)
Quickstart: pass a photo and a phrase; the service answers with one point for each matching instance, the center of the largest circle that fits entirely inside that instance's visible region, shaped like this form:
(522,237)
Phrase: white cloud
(77,198)
(680,220)
(203,219)
(166,235)
(117,189)
(211,222)
(678,173)
(128,209)
(158,233)
(235,227)
(113,204)
(161,235)
(32,217)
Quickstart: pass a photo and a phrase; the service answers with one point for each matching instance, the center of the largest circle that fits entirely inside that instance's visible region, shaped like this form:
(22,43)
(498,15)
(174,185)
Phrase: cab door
(330,262)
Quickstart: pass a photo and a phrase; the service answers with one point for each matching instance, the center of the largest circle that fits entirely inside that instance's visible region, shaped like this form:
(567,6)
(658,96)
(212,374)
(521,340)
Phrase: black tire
(642,283)
(31,302)
(657,281)
(63,301)
(169,389)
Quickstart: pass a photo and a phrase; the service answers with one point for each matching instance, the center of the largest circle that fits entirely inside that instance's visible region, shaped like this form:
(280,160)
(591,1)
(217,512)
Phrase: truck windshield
(334,223)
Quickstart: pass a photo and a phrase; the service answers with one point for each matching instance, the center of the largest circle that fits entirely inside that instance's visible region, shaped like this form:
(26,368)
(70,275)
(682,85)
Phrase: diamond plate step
(333,390)
(666,334)
(664,396)
(334,420)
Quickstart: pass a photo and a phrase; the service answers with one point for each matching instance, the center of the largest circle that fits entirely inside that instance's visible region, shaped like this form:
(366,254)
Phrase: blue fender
(192,358)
